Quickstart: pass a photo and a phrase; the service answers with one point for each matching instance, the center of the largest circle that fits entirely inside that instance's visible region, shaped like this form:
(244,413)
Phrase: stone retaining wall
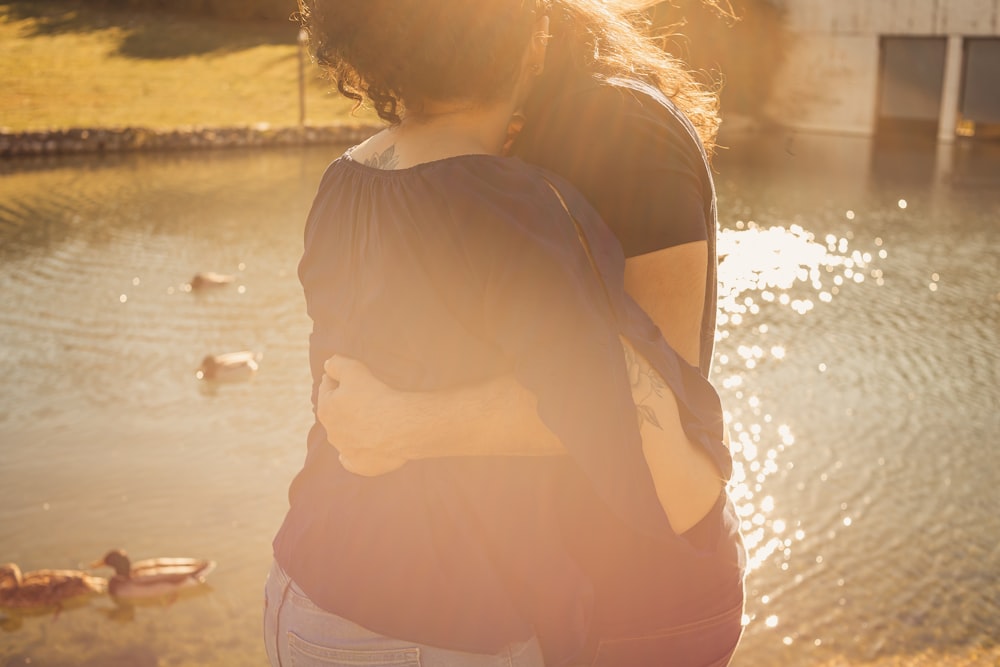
(114,140)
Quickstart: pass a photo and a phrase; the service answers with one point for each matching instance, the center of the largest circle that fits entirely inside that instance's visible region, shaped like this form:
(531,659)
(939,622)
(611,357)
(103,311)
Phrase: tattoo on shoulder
(646,383)
(387,159)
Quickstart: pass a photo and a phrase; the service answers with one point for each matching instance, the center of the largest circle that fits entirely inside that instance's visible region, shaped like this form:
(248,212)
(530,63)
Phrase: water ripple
(856,357)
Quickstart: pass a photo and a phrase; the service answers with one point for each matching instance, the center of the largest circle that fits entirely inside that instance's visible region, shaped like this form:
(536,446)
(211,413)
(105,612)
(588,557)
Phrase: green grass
(64,64)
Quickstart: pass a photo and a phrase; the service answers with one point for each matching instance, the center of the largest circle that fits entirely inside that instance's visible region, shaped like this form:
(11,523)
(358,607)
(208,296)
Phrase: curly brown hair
(611,39)
(399,53)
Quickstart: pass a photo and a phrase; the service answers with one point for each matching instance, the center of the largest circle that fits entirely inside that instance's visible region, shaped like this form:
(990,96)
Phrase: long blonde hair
(610,39)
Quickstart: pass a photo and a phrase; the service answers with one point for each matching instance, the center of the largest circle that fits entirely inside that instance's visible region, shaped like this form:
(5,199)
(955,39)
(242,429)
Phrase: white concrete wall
(827,83)
(923,17)
(829,79)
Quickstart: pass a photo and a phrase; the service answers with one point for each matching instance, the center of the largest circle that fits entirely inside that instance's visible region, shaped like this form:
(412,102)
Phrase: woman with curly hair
(437,266)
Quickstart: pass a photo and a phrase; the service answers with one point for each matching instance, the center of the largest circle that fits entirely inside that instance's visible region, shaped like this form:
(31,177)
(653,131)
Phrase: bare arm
(686,480)
(498,417)
(377,429)
(669,284)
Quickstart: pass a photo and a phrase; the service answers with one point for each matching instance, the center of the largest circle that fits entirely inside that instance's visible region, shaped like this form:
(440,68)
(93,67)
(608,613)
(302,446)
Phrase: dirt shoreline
(76,141)
(83,141)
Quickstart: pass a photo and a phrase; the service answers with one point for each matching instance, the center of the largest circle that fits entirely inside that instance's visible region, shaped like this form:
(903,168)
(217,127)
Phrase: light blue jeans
(297,632)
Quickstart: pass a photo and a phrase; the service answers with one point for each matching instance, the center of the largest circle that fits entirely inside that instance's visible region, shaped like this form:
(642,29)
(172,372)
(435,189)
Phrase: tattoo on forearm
(387,159)
(645,382)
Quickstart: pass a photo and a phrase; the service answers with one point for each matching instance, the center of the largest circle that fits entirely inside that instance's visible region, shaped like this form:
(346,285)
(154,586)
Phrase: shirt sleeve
(630,157)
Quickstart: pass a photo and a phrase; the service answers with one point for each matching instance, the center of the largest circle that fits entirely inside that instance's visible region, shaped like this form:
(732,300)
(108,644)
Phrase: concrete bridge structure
(866,66)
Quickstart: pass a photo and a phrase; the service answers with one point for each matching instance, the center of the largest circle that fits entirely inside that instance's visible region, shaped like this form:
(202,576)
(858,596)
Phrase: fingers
(328,385)
(332,367)
(368,465)
(351,464)
(336,367)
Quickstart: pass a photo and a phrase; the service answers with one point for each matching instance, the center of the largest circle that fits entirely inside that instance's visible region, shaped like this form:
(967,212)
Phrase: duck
(204,279)
(154,577)
(228,367)
(45,588)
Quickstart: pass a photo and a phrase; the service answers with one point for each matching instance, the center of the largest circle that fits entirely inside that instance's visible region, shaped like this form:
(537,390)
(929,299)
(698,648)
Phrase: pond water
(857,358)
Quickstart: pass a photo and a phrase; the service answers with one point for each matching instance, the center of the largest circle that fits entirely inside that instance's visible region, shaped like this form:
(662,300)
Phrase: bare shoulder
(378,151)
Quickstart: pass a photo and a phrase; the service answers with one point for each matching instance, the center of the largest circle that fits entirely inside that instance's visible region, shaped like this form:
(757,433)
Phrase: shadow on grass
(147,34)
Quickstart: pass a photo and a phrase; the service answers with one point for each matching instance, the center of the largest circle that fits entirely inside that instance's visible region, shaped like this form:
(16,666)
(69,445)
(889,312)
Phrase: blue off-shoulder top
(446,274)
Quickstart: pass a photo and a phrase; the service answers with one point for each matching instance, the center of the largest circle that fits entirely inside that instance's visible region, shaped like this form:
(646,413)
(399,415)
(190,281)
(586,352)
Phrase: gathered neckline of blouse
(348,158)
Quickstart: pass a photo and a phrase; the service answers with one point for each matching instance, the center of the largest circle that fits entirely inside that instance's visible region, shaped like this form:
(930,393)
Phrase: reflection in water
(860,320)
(107,437)
(856,355)
(125,610)
(787,268)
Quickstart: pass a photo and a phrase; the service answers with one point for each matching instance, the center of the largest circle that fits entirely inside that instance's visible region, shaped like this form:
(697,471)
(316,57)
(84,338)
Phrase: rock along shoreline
(77,141)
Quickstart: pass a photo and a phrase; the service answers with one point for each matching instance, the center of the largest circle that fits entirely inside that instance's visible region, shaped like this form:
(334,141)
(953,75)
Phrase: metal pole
(951,92)
(303,36)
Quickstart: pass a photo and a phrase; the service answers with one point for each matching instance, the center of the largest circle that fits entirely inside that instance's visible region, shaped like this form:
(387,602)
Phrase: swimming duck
(209,279)
(45,588)
(153,577)
(229,367)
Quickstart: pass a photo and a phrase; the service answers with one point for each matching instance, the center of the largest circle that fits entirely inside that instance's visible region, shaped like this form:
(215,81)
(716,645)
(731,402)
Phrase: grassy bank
(63,64)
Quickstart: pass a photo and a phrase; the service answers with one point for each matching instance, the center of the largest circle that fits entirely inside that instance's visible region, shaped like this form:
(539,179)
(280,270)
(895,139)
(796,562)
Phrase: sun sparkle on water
(767,268)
